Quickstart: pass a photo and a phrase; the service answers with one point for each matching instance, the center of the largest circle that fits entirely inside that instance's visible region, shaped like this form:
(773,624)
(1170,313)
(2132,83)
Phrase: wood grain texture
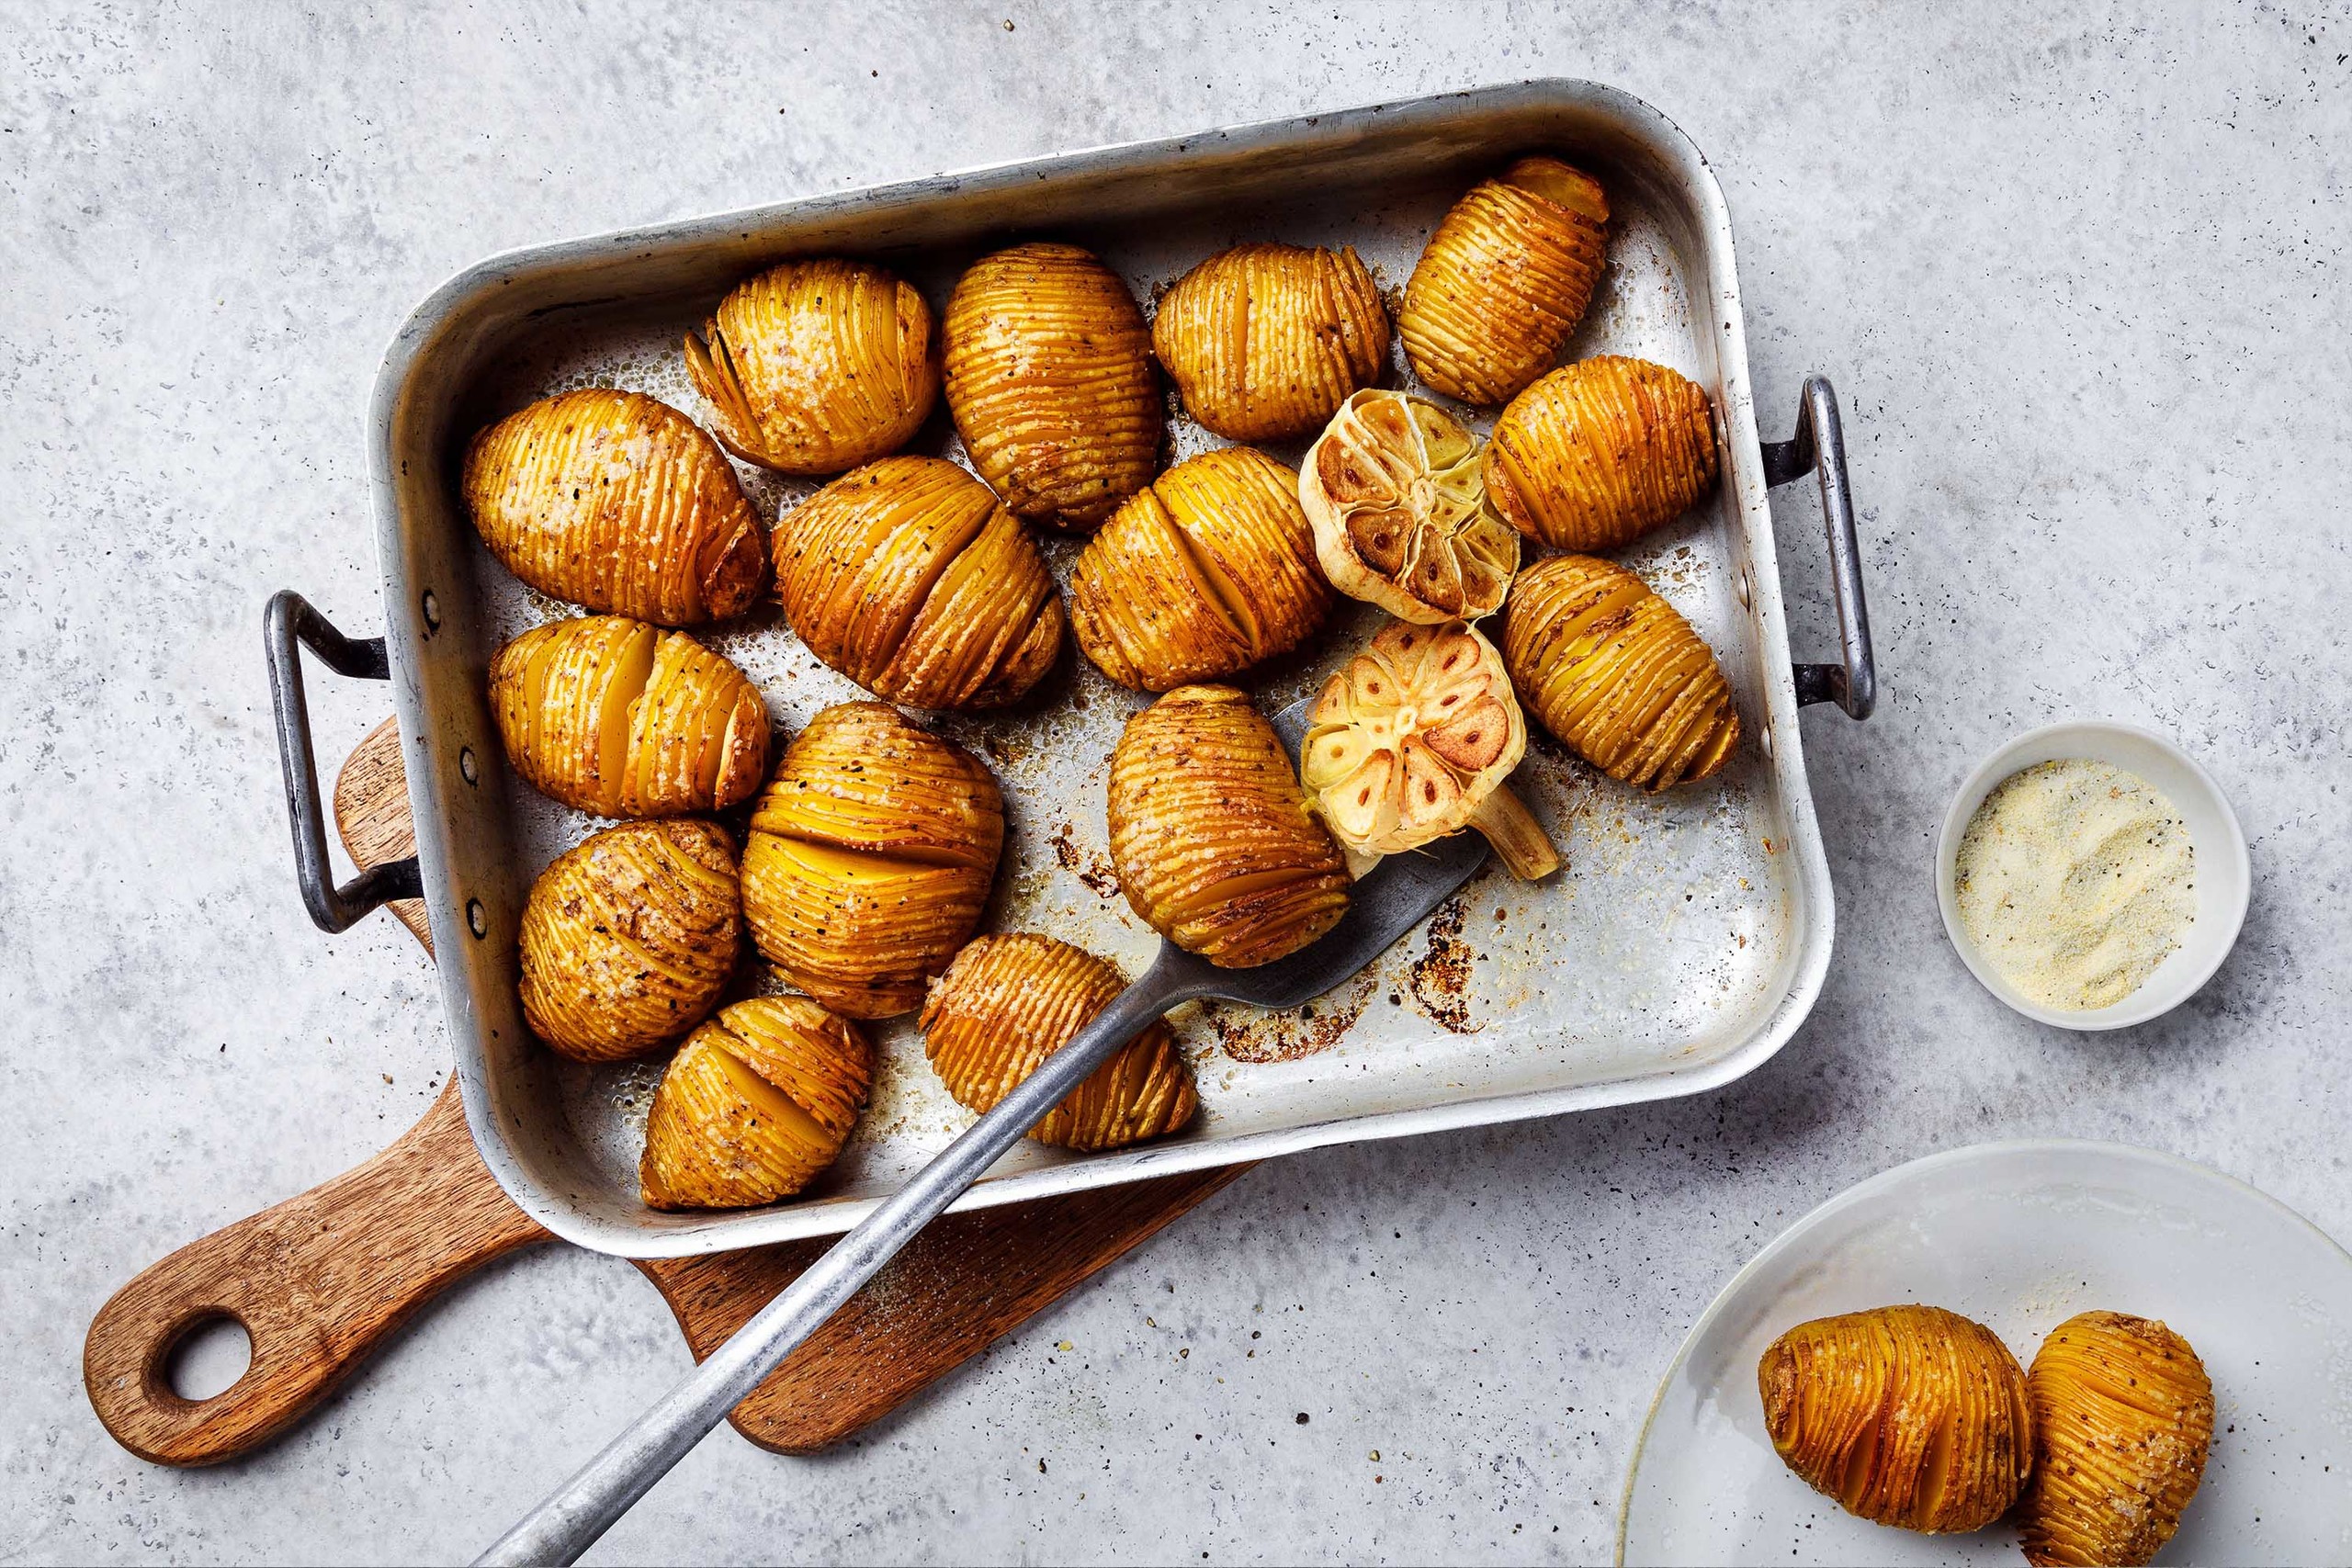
(320,1280)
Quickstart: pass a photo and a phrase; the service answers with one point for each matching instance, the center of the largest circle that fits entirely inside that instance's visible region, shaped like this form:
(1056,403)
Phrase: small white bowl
(2224,878)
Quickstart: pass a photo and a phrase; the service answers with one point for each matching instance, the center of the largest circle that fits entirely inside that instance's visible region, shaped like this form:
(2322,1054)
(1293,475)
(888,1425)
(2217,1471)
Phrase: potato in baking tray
(755,1106)
(1598,453)
(1264,342)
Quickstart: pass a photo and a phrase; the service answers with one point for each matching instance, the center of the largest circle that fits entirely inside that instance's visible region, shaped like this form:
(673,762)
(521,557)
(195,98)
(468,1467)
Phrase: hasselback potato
(1613,671)
(1049,378)
(1210,832)
(1265,342)
(869,859)
(1505,280)
(628,937)
(2123,1419)
(614,716)
(1008,1002)
(1907,1415)
(618,503)
(1205,572)
(1599,452)
(908,578)
(756,1103)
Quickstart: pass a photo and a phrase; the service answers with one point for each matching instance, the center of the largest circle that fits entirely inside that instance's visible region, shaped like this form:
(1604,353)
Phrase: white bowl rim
(2150,1001)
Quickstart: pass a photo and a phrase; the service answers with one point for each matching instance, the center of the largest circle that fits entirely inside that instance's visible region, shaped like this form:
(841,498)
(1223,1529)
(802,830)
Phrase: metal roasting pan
(1683,944)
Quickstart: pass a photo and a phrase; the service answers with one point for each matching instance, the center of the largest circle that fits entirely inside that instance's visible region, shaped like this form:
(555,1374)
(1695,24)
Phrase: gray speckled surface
(2076,271)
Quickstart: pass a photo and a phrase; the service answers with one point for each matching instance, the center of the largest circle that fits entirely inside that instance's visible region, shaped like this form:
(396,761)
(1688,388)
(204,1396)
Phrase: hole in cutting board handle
(208,1358)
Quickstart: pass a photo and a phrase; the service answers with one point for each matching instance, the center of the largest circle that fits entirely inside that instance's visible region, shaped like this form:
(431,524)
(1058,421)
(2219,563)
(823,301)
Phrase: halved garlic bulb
(1396,492)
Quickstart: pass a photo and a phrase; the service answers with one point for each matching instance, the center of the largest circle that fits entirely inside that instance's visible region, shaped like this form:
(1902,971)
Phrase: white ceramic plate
(2020,1236)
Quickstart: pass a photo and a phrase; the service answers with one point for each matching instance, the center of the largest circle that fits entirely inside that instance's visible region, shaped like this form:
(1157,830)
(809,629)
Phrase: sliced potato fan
(2123,1419)
(755,1106)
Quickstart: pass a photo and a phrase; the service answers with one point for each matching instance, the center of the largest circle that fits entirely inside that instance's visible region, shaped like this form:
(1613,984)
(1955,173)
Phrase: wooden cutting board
(322,1279)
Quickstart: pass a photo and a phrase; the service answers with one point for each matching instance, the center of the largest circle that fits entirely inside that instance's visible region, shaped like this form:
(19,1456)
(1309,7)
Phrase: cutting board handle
(317,1282)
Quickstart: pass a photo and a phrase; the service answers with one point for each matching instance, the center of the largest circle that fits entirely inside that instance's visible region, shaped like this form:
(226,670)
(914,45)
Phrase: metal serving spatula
(1384,905)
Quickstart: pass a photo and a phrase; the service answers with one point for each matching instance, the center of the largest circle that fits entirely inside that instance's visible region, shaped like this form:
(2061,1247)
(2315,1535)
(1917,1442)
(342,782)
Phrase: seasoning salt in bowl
(2217,889)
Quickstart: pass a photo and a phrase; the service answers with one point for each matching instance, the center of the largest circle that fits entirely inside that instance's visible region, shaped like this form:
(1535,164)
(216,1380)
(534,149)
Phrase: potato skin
(815,366)
(613,717)
(1856,1404)
(1617,673)
(1505,280)
(1265,342)
(628,938)
(2123,1421)
(618,503)
(1211,835)
(1598,453)
(1049,378)
(909,577)
(1208,570)
(869,859)
(1008,1002)
(755,1106)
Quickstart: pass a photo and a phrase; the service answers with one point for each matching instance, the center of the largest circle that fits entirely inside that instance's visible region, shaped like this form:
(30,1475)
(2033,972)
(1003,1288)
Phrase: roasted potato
(1264,343)
(815,366)
(1205,572)
(618,504)
(1505,280)
(1008,1002)
(1613,671)
(614,716)
(755,1106)
(1049,378)
(628,938)
(908,578)
(1211,835)
(1907,1415)
(1598,453)
(869,859)
(2122,1421)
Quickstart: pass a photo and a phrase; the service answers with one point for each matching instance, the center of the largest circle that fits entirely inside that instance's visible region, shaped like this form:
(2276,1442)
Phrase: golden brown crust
(1907,1415)
(1597,453)
(755,1106)
(870,858)
(1617,673)
(1265,342)
(2124,1420)
(817,366)
(1505,280)
(618,503)
(1008,1002)
(908,578)
(1209,571)
(617,717)
(1211,835)
(1049,378)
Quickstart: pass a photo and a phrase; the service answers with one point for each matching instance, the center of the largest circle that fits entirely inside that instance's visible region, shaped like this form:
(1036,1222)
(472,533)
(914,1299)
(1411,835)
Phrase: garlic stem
(1516,835)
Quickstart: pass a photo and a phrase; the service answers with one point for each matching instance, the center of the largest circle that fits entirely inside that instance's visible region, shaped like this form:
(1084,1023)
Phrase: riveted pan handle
(1819,447)
(291,621)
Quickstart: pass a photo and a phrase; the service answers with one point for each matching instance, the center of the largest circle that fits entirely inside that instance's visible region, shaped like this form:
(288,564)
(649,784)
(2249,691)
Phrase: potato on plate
(2122,1422)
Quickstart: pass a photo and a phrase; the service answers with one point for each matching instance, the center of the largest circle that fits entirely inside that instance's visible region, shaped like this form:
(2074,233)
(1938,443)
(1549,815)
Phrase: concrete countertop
(2077,271)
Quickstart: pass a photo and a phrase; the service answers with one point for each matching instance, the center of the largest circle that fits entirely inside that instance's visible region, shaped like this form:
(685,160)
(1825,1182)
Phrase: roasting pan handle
(292,621)
(1819,447)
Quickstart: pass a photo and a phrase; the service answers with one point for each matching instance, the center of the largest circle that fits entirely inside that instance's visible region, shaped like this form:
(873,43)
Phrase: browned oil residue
(1248,1036)
(1439,978)
(1100,877)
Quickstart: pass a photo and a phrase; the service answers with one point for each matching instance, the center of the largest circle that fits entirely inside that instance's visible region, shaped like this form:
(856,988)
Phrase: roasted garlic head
(1207,571)
(1211,836)
(617,717)
(1412,741)
(908,578)
(2122,1418)
(1049,378)
(1505,280)
(1008,1002)
(1398,502)
(1613,671)
(1264,342)
(618,503)
(628,937)
(1599,452)
(816,366)
(755,1106)
(1907,1415)
(869,859)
